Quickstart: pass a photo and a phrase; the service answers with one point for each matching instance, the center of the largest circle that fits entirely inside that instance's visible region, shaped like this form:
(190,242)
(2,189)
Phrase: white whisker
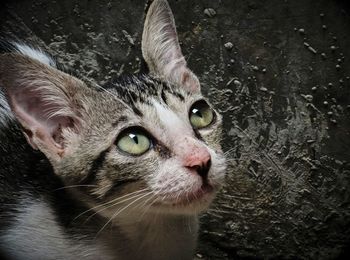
(121,210)
(115,204)
(109,202)
(74,186)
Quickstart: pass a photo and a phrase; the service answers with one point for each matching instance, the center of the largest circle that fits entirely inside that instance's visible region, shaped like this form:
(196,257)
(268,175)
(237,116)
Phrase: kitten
(119,172)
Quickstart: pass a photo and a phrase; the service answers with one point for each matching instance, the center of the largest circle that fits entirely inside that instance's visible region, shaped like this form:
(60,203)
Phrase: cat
(114,172)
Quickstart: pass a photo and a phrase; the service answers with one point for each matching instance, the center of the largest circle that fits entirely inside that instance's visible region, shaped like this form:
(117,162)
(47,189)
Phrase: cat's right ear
(161,49)
(44,100)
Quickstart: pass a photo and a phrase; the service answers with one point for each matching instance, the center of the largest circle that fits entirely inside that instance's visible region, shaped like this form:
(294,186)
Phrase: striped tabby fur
(68,192)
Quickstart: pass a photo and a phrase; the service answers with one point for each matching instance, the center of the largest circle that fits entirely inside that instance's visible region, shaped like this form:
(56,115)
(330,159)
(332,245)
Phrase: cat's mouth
(203,195)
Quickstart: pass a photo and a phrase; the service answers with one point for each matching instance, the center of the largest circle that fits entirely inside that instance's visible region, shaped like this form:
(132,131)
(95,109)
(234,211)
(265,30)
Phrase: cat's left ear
(161,49)
(48,103)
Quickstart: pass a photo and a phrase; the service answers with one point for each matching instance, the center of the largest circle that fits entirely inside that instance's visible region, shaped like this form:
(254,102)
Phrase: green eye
(133,141)
(201,115)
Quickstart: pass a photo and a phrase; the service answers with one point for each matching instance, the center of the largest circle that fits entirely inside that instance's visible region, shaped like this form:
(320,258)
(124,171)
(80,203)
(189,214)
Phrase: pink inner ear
(41,118)
(161,49)
(190,81)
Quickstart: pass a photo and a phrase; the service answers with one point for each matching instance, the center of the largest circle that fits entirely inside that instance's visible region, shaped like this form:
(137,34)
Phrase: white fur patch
(169,119)
(36,54)
(36,235)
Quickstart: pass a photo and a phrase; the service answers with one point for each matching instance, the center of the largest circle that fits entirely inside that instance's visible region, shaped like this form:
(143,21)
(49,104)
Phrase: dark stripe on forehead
(137,111)
(179,95)
(133,97)
(95,168)
(139,88)
(133,89)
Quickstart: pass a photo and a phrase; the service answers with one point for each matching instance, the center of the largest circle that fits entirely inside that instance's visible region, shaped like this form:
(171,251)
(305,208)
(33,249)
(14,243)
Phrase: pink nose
(199,160)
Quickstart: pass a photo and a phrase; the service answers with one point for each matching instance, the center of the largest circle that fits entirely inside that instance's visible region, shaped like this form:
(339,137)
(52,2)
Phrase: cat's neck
(145,234)
(159,236)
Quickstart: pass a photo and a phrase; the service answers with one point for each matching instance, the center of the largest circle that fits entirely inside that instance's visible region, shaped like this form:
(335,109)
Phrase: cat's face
(162,141)
(142,142)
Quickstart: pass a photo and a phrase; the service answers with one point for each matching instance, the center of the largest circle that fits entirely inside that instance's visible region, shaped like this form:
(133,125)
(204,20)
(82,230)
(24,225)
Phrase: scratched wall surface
(279,72)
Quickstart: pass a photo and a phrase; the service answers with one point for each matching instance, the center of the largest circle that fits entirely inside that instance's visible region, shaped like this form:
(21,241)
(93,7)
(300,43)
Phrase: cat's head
(144,141)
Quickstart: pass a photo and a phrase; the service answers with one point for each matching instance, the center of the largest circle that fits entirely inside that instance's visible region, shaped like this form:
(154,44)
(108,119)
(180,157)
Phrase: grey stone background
(283,86)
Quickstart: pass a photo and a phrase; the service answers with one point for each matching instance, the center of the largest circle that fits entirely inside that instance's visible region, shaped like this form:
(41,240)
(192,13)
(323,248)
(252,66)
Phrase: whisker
(108,202)
(121,210)
(154,197)
(144,205)
(113,205)
(146,201)
(74,186)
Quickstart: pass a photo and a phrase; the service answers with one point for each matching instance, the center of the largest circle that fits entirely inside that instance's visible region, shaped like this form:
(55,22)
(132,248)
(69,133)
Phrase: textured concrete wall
(280,73)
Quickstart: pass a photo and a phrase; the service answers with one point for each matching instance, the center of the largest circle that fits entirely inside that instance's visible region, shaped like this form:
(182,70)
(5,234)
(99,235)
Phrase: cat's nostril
(203,168)
(198,160)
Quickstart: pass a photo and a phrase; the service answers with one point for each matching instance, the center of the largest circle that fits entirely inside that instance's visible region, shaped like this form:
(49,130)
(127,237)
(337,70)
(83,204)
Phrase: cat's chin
(190,203)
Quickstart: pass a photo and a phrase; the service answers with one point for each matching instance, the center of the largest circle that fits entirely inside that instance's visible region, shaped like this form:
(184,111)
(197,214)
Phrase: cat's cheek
(216,175)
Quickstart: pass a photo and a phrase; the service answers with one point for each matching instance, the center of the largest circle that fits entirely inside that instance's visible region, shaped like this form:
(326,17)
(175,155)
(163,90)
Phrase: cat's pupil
(134,137)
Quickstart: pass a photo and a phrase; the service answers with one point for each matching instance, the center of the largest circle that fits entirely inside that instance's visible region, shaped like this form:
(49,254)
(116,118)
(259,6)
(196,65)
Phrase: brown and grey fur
(66,189)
